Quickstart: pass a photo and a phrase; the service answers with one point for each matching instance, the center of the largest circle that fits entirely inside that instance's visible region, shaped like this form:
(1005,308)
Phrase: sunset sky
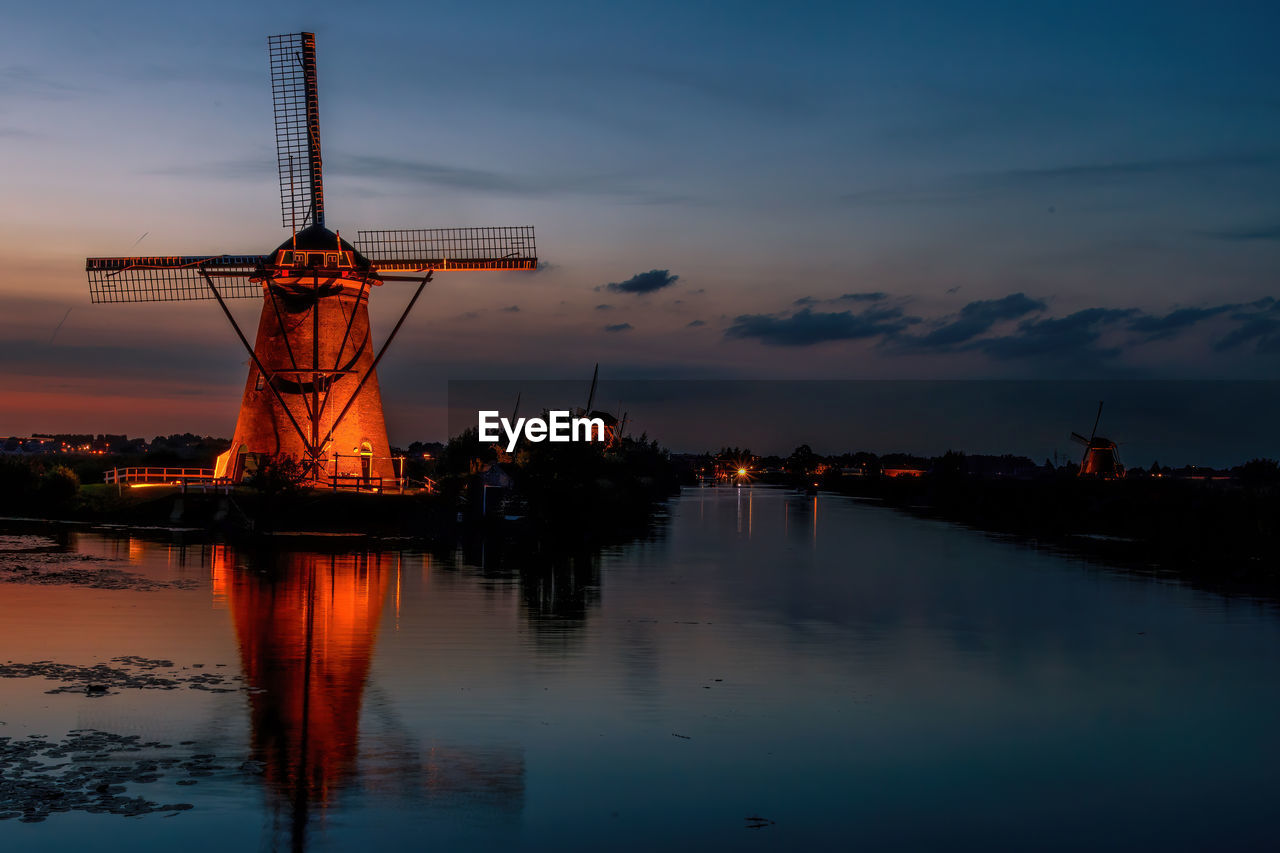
(720,190)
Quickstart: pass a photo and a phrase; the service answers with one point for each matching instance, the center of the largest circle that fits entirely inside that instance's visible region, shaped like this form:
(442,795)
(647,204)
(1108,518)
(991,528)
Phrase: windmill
(312,390)
(612,429)
(1100,456)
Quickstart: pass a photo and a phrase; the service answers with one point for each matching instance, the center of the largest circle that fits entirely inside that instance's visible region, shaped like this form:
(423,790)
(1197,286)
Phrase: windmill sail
(493,248)
(173,278)
(295,101)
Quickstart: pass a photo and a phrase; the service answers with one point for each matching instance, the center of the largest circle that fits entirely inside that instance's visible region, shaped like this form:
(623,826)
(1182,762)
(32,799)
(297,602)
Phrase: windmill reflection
(306,631)
(558,589)
(306,624)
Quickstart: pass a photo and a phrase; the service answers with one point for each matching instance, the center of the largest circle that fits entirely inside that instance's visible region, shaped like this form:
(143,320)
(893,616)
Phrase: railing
(354,483)
(175,476)
(190,479)
(202,479)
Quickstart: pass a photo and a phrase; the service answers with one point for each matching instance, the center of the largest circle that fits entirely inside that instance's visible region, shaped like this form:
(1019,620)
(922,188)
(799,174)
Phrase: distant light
(742,472)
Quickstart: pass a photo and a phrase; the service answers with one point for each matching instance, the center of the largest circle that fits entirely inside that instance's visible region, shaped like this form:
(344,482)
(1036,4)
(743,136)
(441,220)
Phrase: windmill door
(366,460)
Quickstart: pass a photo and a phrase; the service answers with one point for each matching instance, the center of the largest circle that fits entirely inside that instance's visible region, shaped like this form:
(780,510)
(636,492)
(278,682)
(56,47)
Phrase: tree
(59,486)
(802,460)
(1259,472)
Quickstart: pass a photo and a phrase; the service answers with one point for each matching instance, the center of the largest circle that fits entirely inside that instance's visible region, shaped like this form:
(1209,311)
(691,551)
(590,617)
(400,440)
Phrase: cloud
(511,309)
(1256,233)
(409,172)
(1069,176)
(619,327)
(1259,323)
(1086,339)
(604,306)
(1074,335)
(873,296)
(1156,327)
(694,324)
(400,174)
(645,282)
(976,318)
(16,80)
(807,327)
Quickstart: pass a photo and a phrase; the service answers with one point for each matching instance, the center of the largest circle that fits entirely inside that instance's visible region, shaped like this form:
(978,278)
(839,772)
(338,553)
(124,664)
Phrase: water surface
(852,677)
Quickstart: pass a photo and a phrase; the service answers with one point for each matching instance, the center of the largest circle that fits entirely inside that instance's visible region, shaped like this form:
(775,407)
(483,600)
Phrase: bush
(59,486)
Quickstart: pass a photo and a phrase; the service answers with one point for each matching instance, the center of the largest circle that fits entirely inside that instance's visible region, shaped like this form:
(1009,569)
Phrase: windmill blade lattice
(173,279)
(488,248)
(296,104)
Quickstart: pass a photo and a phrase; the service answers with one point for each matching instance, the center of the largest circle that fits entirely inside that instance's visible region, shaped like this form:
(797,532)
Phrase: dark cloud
(1257,233)
(619,327)
(873,296)
(1069,176)
(1155,327)
(976,319)
(693,324)
(645,282)
(1258,323)
(1075,335)
(512,309)
(604,306)
(409,172)
(1109,171)
(1088,338)
(434,174)
(807,327)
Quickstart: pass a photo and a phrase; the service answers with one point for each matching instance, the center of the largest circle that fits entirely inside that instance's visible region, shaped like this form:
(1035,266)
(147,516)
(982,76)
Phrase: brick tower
(314,347)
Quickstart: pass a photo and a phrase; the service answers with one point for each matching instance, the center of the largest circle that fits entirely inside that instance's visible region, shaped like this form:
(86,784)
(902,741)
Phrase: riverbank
(1224,536)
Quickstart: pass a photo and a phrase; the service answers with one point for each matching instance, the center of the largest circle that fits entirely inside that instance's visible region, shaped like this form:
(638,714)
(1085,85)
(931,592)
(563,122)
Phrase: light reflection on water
(860,677)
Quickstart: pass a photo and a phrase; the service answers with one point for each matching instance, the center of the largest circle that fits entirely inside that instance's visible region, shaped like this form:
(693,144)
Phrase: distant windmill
(612,428)
(312,391)
(1100,456)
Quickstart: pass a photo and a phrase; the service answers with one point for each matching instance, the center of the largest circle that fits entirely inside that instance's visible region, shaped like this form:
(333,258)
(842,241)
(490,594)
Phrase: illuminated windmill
(312,390)
(1100,456)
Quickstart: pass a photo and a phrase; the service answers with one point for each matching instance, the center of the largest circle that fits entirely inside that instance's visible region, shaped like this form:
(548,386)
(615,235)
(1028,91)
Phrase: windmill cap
(317,238)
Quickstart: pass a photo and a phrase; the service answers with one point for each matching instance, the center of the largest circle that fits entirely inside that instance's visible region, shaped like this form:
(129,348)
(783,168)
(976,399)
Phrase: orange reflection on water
(306,633)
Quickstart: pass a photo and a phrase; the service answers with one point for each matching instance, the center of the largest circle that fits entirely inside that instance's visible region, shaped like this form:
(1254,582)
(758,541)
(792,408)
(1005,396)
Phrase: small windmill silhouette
(312,390)
(1101,458)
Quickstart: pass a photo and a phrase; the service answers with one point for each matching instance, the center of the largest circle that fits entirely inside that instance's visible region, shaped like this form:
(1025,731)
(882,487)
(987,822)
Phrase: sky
(750,191)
